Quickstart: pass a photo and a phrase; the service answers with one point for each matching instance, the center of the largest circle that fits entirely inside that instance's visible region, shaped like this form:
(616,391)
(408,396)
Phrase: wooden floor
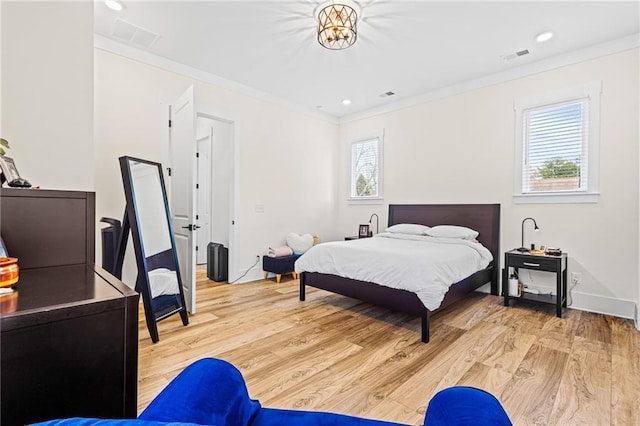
(333,353)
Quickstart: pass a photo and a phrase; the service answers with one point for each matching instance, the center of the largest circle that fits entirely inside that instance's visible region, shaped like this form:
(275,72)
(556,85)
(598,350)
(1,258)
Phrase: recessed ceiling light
(545,36)
(114,5)
(346,101)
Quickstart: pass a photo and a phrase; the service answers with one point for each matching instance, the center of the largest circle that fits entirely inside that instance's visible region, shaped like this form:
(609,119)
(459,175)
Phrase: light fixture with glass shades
(337,25)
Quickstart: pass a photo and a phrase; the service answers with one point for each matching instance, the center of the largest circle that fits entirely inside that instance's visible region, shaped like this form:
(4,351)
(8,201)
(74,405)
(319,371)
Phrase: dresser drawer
(529,262)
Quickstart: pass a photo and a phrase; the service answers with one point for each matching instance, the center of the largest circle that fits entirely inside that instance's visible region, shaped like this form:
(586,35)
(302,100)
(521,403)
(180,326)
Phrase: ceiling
(410,48)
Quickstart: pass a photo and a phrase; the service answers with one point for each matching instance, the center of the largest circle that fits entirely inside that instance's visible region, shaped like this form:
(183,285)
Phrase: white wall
(47,91)
(287,159)
(460,149)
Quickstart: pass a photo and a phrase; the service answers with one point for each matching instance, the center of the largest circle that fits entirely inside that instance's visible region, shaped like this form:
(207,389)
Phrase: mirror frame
(132,217)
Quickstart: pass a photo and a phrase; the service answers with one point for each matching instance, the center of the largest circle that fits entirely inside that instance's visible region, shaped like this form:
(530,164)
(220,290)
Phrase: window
(557,146)
(365,175)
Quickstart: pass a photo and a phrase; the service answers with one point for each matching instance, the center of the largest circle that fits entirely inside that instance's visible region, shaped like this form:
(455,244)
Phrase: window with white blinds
(556,152)
(556,147)
(365,179)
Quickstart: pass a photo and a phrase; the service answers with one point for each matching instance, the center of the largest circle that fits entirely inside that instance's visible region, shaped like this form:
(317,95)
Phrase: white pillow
(299,243)
(452,231)
(408,228)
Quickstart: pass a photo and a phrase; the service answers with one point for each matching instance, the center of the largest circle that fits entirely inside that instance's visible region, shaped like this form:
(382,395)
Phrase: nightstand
(353,237)
(556,264)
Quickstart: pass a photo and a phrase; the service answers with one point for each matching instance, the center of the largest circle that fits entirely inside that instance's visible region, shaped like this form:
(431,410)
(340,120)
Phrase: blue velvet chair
(213,392)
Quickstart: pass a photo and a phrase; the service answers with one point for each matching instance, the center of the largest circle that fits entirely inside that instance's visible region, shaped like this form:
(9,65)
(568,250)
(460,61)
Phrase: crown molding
(577,56)
(574,57)
(127,51)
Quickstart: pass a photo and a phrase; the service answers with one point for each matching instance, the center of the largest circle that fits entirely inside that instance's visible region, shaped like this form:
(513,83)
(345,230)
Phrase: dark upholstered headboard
(484,218)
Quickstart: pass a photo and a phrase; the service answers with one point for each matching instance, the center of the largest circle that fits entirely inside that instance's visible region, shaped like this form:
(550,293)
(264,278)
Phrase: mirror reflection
(150,222)
(154,232)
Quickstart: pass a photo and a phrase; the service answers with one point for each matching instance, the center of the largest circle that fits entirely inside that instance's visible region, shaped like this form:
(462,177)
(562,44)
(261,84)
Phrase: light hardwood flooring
(332,353)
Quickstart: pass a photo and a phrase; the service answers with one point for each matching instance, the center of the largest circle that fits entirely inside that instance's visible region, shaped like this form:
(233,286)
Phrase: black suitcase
(217,262)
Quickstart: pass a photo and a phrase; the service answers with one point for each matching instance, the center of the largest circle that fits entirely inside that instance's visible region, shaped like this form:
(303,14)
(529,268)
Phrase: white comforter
(423,265)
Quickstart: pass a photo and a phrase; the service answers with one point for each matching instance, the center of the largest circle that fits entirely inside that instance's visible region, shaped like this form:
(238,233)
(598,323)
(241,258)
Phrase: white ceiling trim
(577,56)
(122,49)
(615,46)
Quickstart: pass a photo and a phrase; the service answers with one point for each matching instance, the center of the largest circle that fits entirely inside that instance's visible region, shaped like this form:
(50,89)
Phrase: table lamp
(523,248)
(370,218)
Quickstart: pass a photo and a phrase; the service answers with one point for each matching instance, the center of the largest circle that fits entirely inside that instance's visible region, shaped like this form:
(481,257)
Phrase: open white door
(182,143)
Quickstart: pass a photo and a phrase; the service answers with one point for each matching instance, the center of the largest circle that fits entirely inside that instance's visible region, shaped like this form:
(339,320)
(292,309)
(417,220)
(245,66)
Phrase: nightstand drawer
(531,262)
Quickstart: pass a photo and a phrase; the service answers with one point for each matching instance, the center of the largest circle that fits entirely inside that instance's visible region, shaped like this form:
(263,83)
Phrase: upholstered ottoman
(279,266)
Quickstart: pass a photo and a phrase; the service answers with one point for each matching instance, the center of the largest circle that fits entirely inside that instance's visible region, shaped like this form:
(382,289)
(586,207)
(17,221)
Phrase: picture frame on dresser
(9,169)
(3,248)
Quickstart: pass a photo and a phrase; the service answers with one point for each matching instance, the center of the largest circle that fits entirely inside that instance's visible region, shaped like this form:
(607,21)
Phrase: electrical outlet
(576,278)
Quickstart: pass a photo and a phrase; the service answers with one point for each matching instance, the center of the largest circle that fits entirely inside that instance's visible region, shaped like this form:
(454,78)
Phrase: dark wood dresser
(69,334)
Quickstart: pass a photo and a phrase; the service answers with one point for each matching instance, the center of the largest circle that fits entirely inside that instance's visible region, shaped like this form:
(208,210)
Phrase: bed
(484,218)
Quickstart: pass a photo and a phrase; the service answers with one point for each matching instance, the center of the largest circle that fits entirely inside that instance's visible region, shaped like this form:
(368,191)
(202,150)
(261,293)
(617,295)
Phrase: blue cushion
(100,422)
(213,392)
(462,406)
(208,392)
(275,417)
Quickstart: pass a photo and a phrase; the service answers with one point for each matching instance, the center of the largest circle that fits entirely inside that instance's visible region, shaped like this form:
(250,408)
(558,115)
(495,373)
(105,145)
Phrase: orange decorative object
(8,271)
(9,303)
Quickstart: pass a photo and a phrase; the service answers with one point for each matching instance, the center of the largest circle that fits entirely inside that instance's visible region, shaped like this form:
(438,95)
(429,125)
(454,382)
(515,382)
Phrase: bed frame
(484,218)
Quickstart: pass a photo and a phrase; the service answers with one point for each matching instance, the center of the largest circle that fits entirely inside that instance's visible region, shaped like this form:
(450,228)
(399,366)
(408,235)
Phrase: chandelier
(337,26)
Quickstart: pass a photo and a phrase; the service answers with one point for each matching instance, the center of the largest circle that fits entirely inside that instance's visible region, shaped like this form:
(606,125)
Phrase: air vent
(134,35)
(387,94)
(515,55)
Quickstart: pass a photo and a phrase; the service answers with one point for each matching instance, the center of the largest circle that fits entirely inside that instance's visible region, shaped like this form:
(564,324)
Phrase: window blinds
(555,147)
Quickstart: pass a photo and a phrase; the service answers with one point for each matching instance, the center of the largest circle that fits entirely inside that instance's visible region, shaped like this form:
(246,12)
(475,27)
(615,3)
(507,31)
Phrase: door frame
(202,250)
(233,204)
(165,156)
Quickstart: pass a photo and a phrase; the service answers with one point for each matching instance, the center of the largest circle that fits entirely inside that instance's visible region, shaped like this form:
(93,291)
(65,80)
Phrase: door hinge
(197,186)
(169,170)
(169,123)
(233,222)
(196,248)
(197,155)
(197,217)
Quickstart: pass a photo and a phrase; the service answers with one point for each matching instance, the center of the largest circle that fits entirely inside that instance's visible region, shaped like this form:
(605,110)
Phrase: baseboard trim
(605,305)
(636,319)
(254,275)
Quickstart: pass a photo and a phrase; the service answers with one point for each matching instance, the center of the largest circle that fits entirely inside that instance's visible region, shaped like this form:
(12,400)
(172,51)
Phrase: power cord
(246,272)
(569,298)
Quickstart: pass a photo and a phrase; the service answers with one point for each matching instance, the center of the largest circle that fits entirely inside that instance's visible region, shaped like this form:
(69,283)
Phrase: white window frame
(591,195)
(378,199)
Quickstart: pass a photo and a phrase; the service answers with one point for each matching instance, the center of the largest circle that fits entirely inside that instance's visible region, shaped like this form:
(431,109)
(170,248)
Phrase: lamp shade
(337,26)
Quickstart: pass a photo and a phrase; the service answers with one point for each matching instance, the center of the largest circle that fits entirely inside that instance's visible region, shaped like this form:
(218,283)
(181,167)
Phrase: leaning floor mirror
(159,280)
